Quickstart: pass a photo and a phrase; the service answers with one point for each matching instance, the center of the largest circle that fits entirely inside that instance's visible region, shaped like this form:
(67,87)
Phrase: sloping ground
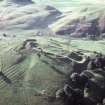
(68,4)
(35,74)
(81,21)
(29,77)
(21,2)
(21,16)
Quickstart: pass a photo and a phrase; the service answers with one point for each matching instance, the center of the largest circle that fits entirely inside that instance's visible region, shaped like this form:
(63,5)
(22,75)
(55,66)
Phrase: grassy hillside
(34,75)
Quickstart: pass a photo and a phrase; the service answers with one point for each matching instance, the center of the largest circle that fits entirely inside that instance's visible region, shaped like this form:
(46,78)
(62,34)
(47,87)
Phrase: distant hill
(24,15)
(82,21)
(21,2)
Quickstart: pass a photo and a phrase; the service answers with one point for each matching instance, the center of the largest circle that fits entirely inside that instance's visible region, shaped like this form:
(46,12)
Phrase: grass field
(33,75)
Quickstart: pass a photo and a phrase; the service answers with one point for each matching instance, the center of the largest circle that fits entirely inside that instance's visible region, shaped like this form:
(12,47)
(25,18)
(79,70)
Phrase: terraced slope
(37,77)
